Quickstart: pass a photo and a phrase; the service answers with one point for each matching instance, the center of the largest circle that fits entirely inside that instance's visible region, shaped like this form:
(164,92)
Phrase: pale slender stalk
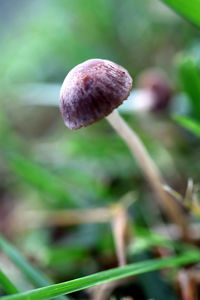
(119,229)
(149,168)
(35,219)
(118,220)
(187,286)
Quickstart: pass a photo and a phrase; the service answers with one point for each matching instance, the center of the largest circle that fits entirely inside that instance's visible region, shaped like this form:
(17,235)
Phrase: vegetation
(78,219)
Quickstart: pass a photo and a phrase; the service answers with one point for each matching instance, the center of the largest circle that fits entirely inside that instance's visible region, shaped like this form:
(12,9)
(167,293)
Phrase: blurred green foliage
(190,10)
(44,166)
(50,37)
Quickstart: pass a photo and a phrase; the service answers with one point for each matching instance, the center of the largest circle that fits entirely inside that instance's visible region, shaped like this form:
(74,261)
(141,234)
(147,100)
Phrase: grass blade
(40,178)
(106,276)
(190,81)
(189,124)
(189,9)
(31,273)
(34,275)
(7,285)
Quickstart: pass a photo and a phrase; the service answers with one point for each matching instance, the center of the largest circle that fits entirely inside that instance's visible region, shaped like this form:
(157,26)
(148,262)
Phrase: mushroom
(158,85)
(91,91)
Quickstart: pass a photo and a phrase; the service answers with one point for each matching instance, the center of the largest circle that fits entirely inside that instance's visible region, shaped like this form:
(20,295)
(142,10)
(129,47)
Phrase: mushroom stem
(150,170)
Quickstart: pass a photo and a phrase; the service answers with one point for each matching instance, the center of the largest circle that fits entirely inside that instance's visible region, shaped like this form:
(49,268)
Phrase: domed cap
(157,82)
(92,90)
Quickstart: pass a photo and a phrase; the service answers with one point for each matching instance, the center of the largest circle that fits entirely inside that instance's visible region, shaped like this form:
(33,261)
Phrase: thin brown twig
(119,223)
(22,218)
(119,229)
(189,201)
(186,285)
(35,219)
(189,191)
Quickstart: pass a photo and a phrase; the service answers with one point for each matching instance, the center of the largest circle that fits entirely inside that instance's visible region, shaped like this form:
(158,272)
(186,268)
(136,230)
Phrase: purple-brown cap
(92,90)
(157,82)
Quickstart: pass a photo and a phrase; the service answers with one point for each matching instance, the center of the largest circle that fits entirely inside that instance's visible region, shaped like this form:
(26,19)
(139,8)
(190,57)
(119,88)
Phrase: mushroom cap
(156,81)
(92,90)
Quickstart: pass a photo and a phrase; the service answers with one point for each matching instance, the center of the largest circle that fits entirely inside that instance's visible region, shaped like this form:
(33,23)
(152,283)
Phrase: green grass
(106,276)
(190,81)
(189,124)
(32,273)
(7,285)
(189,9)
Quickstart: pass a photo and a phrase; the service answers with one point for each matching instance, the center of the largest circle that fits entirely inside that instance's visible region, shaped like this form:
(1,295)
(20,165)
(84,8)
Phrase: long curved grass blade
(7,285)
(35,276)
(190,9)
(188,69)
(189,124)
(106,276)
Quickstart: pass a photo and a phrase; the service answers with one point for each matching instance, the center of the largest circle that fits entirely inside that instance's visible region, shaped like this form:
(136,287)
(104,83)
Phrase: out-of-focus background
(57,185)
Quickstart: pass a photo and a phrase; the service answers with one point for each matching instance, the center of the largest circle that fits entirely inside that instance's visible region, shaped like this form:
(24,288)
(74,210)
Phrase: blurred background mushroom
(155,82)
(152,93)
